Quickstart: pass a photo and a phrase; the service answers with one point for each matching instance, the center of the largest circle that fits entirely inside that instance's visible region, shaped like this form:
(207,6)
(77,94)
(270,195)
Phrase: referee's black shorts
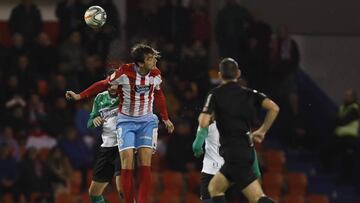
(107,164)
(238,163)
(231,194)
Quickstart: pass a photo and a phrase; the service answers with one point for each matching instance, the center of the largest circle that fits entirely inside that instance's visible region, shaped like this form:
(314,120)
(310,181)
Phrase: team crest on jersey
(142,88)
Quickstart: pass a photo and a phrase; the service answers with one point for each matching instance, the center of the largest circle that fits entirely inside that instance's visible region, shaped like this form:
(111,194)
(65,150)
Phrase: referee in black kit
(234,107)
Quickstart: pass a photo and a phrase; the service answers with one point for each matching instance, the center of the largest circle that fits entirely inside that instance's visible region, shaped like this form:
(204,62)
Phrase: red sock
(127,183)
(145,184)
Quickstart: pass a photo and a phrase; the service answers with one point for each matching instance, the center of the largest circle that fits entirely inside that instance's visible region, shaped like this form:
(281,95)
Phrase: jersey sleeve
(117,78)
(258,97)
(95,88)
(209,104)
(159,98)
(157,78)
(94,112)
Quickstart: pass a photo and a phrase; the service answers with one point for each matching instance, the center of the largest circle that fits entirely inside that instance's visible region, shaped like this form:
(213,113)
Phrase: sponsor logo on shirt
(142,88)
(108,112)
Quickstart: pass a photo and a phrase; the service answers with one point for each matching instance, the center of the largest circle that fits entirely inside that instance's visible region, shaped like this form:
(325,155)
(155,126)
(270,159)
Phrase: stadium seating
(313,198)
(297,183)
(193,181)
(293,199)
(191,198)
(274,160)
(273,184)
(172,182)
(169,197)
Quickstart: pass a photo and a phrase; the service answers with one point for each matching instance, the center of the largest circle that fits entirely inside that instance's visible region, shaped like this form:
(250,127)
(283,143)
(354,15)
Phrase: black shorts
(231,194)
(238,163)
(107,164)
(204,184)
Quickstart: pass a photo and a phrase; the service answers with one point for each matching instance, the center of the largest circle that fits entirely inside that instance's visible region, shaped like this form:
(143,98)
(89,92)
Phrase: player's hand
(258,135)
(198,152)
(169,126)
(98,121)
(70,95)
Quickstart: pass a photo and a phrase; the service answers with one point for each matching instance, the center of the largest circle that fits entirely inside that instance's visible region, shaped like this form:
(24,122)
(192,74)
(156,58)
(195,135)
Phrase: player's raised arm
(97,87)
(90,91)
(204,122)
(207,111)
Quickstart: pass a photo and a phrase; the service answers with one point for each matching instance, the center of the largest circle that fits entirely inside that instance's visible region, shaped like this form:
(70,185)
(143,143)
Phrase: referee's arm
(272,111)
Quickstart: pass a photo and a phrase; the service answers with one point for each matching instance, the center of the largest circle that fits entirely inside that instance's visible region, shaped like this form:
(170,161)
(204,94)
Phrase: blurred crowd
(43,135)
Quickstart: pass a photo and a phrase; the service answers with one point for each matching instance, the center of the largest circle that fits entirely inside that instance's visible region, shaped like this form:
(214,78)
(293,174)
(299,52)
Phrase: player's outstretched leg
(217,187)
(95,191)
(145,155)
(254,193)
(127,174)
(118,187)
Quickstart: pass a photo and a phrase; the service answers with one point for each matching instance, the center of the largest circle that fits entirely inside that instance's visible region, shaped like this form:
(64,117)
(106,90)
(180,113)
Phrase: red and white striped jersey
(136,91)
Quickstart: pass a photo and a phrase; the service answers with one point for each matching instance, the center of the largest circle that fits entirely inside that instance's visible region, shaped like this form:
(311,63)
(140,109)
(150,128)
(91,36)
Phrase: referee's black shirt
(234,107)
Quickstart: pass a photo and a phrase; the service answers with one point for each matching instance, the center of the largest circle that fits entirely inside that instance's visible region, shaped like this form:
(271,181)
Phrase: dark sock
(127,183)
(97,199)
(121,196)
(218,199)
(265,200)
(145,184)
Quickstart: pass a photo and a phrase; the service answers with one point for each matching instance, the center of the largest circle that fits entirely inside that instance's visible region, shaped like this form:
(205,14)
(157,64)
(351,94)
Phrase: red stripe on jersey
(150,97)
(121,98)
(132,78)
(142,100)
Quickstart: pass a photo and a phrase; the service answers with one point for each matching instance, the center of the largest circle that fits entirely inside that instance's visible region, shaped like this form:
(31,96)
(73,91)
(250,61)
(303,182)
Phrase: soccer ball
(95,17)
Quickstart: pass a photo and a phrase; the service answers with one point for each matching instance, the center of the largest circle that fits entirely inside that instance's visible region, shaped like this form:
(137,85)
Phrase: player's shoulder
(216,89)
(246,89)
(127,67)
(155,72)
(101,95)
(253,91)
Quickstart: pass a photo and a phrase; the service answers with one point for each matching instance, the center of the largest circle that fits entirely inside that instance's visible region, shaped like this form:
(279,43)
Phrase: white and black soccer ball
(95,17)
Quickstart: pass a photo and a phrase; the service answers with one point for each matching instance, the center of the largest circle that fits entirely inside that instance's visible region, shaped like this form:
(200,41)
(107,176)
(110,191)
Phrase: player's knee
(145,155)
(93,192)
(127,159)
(214,190)
(265,199)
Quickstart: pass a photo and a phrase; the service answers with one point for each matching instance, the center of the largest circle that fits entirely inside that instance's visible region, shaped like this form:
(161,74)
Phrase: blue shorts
(137,132)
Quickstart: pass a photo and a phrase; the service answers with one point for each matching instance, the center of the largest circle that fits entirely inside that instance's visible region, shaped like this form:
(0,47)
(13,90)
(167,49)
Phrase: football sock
(265,200)
(121,196)
(145,184)
(97,199)
(127,184)
(218,199)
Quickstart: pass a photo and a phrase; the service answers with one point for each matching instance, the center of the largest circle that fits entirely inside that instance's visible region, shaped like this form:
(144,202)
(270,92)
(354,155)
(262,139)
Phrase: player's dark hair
(139,51)
(110,71)
(228,68)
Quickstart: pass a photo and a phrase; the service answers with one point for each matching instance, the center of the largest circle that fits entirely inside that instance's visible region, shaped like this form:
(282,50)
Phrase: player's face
(150,61)
(112,89)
